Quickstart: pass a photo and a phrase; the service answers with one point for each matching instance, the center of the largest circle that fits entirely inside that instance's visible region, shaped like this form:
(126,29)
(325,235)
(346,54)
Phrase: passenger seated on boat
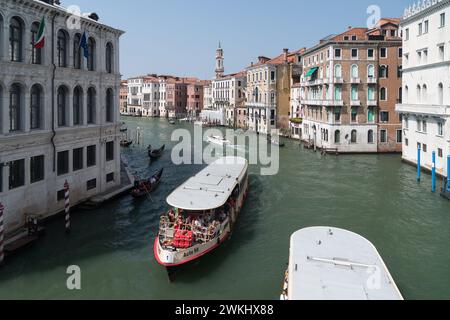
(171,216)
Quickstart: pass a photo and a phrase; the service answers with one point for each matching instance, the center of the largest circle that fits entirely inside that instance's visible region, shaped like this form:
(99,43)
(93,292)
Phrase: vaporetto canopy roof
(334,264)
(210,188)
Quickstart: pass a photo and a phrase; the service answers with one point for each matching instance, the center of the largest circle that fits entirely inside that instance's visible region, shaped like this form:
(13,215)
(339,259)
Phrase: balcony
(355,80)
(424,109)
(333,103)
(339,80)
(312,102)
(372,103)
(371,80)
(327,81)
(355,103)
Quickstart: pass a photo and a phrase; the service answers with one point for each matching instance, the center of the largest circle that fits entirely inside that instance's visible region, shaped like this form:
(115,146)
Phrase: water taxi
(218,140)
(204,211)
(334,264)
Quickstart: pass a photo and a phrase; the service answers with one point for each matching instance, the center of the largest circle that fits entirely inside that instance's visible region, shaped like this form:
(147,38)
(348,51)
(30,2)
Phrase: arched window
(91,106)
(16,40)
(36,107)
(327,71)
(338,71)
(383,94)
(77,56)
(424,93)
(384,72)
(354,136)
(371,71)
(355,71)
(36,53)
(440,94)
(15,108)
(91,54)
(109,58)
(109,105)
(418,93)
(256,94)
(337,136)
(62,44)
(370,137)
(77,106)
(62,106)
(406,94)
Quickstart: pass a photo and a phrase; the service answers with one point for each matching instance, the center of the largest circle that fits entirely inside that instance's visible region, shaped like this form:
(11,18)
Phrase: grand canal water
(374,195)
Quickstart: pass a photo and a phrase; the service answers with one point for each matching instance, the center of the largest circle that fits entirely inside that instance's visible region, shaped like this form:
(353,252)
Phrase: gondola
(145,187)
(126,143)
(155,153)
(275,142)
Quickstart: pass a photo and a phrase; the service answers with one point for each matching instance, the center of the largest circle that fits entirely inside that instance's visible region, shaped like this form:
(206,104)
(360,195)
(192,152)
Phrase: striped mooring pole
(2,235)
(419,164)
(67,205)
(433,173)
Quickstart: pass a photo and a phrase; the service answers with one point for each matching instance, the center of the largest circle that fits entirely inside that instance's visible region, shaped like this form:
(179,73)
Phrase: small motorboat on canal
(219,141)
(156,153)
(172,121)
(334,264)
(275,142)
(144,187)
(205,210)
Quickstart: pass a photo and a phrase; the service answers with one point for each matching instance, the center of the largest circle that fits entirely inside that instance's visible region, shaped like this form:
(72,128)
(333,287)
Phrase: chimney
(285,51)
(350,27)
(251,64)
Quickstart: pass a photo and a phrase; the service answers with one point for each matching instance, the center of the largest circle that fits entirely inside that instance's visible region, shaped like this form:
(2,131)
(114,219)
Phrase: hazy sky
(180,36)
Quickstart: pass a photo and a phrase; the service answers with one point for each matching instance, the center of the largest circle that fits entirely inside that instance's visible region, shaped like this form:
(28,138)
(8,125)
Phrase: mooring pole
(67,205)
(433,173)
(2,235)
(448,173)
(418,163)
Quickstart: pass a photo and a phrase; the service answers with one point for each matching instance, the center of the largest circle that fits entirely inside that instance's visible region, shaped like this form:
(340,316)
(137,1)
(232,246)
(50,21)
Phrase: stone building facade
(58,111)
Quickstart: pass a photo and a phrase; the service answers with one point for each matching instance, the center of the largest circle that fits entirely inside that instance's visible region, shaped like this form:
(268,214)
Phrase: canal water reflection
(374,195)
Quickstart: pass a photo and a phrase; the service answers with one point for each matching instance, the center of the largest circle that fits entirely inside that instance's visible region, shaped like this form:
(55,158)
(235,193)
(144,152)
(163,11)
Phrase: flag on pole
(40,38)
(84,45)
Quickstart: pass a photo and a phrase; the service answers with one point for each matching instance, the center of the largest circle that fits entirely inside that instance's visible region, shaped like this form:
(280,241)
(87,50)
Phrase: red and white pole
(67,205)
(2,235)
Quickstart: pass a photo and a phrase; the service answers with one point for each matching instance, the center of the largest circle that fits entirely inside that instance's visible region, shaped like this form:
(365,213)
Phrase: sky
(180,37)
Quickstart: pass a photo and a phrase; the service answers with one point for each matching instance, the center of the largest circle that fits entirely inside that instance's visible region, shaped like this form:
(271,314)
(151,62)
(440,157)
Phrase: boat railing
(167,231)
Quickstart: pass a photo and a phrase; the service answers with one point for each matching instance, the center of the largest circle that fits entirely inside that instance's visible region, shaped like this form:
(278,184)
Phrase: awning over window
(311,72)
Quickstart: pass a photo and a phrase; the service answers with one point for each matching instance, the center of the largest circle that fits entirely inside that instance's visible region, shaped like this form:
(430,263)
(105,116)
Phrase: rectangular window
(399,136)
(370,53)
(110,151)
(420,29)
(63,162)
(91,156)
(440,129)
(16,174)
(337,53)
(424,126)
(406,142)
(91,184)
(354,114)
(354,53)
(370,115)
(406,34)
(400,52)
(383,136)
(110,177)
(36,169)
(77,159)
(441,53)
(61,195)
(425,27)
(440,153)
(424,148)
(383,52)
(354,92)
(442,20)
(384,116)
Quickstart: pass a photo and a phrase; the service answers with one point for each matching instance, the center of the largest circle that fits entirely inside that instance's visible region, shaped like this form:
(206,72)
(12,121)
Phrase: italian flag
(40,41)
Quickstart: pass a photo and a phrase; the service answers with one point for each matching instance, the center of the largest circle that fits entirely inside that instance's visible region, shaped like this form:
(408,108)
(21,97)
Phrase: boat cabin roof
(210,188)
(334,264)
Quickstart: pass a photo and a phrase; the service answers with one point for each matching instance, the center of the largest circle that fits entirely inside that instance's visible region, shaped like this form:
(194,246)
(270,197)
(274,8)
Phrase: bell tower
(219,62)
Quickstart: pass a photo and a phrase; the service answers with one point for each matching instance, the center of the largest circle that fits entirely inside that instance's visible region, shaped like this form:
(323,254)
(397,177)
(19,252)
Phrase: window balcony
(339,80)
(355,103)
(372,103)
(355,80)
(327,81)
(371,80)
(333,103)
(312,102)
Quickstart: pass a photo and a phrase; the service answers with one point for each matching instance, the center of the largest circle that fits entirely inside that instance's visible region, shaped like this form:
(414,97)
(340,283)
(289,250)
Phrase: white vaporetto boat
(205,209)
(219,141)
(334,264)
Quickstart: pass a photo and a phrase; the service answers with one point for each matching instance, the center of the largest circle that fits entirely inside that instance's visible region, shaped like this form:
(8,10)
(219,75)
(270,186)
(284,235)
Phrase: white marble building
(426,83)
(58,117)
(229,93)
